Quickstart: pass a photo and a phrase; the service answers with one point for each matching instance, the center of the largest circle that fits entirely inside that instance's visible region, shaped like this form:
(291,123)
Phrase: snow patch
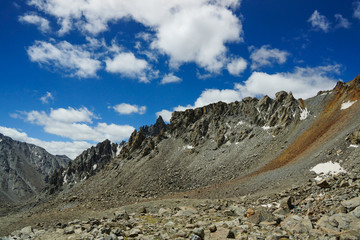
(304,114)
(265,127)
(118,150)
(1,140)
(188,147)
(240,123)
(94,167)
(353,146)
(327,169)
(270,205)
(347,104)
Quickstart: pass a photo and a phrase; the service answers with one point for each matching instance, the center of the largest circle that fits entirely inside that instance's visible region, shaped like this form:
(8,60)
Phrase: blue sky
(75,72)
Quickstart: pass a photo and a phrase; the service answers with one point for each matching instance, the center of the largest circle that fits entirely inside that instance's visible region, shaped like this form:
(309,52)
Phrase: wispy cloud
(342,22)
(267,56)
(42,23)
(170,78)
(46,98)
(319,22)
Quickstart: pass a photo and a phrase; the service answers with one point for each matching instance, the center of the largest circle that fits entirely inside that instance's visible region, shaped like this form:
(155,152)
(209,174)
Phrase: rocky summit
(281,168)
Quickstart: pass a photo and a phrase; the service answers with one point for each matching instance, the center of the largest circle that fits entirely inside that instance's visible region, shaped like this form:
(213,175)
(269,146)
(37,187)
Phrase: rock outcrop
(85,165)
(25,169)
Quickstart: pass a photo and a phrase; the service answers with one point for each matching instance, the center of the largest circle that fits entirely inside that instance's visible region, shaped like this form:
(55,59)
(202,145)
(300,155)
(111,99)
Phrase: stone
(356,212)
(212,228)
(351,203)
(287,203)
(323,184)
(261,215)
(231,234)
(297,224)
(250,212)
(186,211)
(121,215)
(199,232)
(134,232)
(164,212)
(69,230)
(26,230)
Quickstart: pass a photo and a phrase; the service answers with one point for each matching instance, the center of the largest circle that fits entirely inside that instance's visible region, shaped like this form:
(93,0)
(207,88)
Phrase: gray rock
(261,215)
(297,225)
(26,230)
(351,203)
(356,212)
(121,215)
(199,232)
(69,230)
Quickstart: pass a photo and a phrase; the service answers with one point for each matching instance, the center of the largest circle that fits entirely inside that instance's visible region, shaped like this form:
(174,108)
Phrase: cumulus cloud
(267,56)
(302,82)
(319,22)
(125,109)
(42,23)
(64,56)
(185,30)
(170,78)
(341,21)
(357,10)
(237,66)
(46,98)
(128,65)
(76,124)
(70,149)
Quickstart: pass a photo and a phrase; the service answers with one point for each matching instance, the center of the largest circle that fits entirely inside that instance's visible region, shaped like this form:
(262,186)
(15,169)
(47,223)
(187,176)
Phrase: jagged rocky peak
(85,165)
(155,129)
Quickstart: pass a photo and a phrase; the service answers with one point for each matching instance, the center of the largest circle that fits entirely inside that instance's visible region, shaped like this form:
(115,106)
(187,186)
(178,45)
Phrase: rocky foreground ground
(327,209)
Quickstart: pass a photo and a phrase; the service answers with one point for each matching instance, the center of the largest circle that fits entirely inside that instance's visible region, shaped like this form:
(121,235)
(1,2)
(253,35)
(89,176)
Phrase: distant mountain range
(25,169)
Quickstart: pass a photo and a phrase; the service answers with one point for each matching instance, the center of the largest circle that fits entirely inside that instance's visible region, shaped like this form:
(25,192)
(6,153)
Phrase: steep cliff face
(85,165)
(25,169)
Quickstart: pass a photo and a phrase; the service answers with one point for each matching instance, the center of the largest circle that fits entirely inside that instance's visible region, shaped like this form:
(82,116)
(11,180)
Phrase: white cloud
(66,57)
(266,56)
(198,34)
(40,22)
(165,114)
(237,66)
(185,30)
(125,108)
(215,95)
(70,149)
(302,82)
(74,124)
(357,10)
(341,21)
(45,99)
(170,78)
(128,65)
(319,22)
